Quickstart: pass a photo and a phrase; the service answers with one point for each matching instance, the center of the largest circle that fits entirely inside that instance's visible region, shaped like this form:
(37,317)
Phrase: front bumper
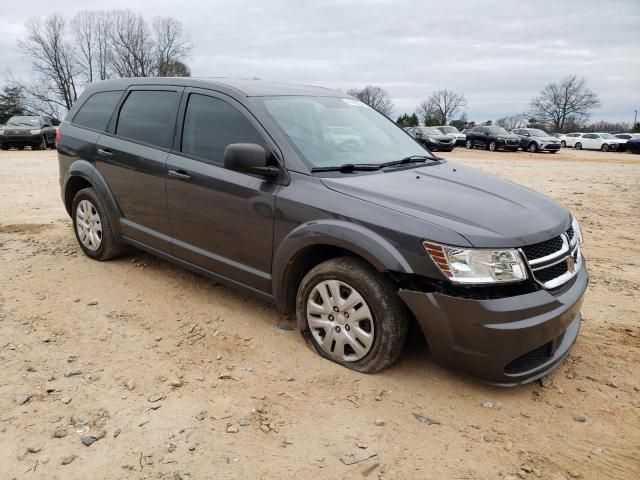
(21,139)
(550,147)
(506,341)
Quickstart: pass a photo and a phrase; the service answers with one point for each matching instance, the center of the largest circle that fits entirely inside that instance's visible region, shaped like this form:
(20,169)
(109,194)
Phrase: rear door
(221,220)
(590,141)
(132,158)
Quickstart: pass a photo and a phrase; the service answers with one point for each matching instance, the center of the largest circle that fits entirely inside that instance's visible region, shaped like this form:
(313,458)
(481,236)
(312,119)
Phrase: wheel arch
(315,242)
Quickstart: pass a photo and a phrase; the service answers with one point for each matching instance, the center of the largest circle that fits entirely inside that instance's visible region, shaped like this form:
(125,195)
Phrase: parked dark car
(432,138)
(358,234)
(535,140)
(28,130)
(633,146)
(492,138)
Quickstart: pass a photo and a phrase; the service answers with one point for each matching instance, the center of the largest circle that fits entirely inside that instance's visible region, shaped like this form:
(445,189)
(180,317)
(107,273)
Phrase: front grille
(547,274)
(530,360)
(542,249)
(570,233)
(511,141)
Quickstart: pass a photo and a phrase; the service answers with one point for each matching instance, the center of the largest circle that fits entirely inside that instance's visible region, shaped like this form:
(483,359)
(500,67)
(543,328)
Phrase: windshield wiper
(349,168)
(410,159)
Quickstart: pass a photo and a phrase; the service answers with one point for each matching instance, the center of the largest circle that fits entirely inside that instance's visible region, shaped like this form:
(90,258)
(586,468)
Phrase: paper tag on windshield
(355,103)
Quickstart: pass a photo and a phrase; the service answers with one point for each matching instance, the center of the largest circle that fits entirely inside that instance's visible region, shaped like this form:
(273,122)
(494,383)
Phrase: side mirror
(248,158)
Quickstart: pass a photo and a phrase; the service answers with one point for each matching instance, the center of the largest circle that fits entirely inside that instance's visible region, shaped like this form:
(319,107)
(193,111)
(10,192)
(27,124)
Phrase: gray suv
(313,201)
(535,140)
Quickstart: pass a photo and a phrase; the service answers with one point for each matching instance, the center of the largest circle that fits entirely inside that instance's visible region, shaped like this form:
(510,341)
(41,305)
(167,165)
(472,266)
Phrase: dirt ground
(180,378)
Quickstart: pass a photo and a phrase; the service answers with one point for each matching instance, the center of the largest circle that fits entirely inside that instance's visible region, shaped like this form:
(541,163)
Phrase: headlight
(35,132)
(1,132)
(576,230)
(477,266)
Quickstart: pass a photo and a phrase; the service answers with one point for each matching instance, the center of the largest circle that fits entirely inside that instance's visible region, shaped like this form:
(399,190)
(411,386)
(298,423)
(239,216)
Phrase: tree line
(562,106)
(67,54)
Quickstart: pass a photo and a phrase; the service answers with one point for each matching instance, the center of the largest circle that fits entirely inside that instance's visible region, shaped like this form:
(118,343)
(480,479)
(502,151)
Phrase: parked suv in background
(358,233)
(454,132)
(28,131)
(536,140)
(432,138)
(492,138)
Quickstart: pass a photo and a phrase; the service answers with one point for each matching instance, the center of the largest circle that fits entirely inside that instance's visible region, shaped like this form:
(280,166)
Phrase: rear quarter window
(148,116)
(96,111)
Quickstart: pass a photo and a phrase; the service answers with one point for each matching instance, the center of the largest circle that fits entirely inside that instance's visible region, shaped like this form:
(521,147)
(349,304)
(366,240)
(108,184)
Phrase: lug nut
(347,328)
(337,329)
(331,317)
(335,309)
(346,315)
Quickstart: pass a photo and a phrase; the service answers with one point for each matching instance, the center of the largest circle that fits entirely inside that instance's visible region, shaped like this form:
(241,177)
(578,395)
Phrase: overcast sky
(499,54)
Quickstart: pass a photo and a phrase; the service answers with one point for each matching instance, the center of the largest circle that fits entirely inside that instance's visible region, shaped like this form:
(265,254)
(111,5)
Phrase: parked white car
(569,139)
(453,132)
(599,141)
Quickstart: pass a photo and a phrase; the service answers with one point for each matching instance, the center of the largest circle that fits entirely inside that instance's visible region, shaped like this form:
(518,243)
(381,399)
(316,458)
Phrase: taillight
(58,136)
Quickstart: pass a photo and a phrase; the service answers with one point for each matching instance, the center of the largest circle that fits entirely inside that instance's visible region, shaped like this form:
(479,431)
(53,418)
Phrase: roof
(246,87)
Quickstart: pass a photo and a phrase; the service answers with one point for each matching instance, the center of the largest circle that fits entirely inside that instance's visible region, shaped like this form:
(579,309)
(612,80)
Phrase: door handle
(180,175)
(105,152)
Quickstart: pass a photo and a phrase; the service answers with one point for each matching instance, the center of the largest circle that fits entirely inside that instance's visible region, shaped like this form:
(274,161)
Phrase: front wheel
(563,144)
(469,144)
(578,146)
(4,146)
(493,146)
(351,314)
(533,147)
(42,145)
(93,227)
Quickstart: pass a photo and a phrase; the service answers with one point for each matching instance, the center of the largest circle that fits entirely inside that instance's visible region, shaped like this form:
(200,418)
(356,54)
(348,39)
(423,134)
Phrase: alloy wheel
(89,225)
(340,320)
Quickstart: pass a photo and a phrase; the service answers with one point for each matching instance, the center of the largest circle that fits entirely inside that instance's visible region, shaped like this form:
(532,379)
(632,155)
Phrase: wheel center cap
(340,319)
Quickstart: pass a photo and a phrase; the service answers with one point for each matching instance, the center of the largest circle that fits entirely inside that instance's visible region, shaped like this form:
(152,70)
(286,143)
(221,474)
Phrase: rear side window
(210,124)
(148,116)
(96,111)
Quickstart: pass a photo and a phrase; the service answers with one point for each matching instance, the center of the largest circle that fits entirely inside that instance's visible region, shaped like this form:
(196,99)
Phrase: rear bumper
(506,341)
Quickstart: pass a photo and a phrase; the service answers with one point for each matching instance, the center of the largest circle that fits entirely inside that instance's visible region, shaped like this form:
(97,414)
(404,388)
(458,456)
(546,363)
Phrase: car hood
(547,139)
(441,137)
(20,128)
(488,211)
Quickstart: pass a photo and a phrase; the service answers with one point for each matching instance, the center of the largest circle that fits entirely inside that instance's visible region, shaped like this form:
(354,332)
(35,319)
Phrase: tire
(493,146)
(40,146)
(4,146)
(605,147)
(108,246)
(383,315)
(20,147)
(553,151)
(563,144)
(469,144)
(578,146)
(532,147)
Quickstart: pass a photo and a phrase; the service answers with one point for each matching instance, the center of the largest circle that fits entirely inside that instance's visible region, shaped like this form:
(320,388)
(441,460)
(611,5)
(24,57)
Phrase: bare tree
(442,105)
(92,34)
(512,121)
(171,45)
(559,104)
(376,97)
(132,46)
(53,58)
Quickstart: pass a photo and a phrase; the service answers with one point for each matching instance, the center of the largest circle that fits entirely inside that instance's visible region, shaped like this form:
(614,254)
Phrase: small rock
(192,448)
(522,474)
(243,422)
(22,399)
(51,378)
(33,449)
(379,422)
(362,445)
(290,379)
(68,459)
(116,433)
(72,373)
(131,384)
(218,357)
(526,468)
(158,338)
(424,419)
(66,400)
(597,451)
(200,378)
(156,397)
(55,419)
(284,326)
(573,474)
(545,382)
(580,418)
(510,477)
(201,416)
(231,428)
(265,428)
(92,303)
(88,440)
(175,382)
(612,385)
(59,432)
(581,389)
(487,404)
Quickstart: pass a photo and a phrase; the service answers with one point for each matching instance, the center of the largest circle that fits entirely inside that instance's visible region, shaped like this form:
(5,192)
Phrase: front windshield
(538,133)
(332,131)
(430,131)
(606,135)
(498,131)
(23,122)
(449,130)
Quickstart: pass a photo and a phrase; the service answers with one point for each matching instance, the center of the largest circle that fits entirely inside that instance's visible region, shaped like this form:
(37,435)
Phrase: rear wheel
(493,146)
(42,145)
(20,147)
(93,227)
(533,147)
(469,144)
(351,314)
(605,147)
(578,146)
(563,144)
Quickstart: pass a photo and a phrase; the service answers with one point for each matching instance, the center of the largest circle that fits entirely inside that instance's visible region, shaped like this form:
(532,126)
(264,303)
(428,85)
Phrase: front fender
(374,248)
(89,173)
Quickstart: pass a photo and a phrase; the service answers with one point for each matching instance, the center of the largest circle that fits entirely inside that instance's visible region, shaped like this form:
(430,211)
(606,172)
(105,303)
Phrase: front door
(221,220)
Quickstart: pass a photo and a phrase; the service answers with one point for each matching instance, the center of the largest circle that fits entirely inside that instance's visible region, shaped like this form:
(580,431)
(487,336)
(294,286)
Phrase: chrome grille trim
(569,252)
